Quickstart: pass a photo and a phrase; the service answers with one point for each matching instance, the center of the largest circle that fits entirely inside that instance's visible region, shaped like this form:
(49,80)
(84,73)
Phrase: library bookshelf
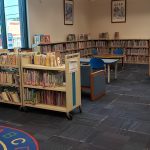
(136,50)
(52,88)
(10,84)
(82,47)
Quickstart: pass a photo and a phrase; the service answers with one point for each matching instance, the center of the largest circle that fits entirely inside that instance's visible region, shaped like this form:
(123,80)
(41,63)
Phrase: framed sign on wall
(118,11)
(68,12)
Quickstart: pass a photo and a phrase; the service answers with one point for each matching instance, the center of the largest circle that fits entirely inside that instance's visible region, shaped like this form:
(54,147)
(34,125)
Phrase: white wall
(47,17)
(137,19)
(91,16)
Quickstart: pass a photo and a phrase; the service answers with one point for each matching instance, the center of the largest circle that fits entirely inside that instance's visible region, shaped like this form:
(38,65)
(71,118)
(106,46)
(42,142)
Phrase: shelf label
(73,66)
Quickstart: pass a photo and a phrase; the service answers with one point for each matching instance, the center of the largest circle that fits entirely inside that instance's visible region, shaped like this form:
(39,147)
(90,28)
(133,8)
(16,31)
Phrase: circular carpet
(14,139)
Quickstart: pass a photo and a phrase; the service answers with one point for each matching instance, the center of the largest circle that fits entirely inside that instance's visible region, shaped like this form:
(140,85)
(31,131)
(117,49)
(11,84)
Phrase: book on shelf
(104,35)
(54,98)
(8,59)
(41,39)
(90,44)
(52,59)
(83,37)
(57,47)
(139,51)
(45,49)
(4,51)
(71,37)
(101,44)
(116,35)
(43,78)
(70,46)
(9,96)
(129,43)
(10,78)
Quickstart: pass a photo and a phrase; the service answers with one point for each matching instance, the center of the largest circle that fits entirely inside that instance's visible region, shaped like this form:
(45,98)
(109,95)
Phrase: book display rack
(51,87)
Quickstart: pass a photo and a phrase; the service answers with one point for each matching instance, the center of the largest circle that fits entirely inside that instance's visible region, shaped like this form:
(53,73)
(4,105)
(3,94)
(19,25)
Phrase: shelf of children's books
(40,67)
(47,107)
(56,88)
(9,102)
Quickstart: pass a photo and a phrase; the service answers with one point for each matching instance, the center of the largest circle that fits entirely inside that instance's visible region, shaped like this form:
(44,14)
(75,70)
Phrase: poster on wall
(68,12)
(118,11)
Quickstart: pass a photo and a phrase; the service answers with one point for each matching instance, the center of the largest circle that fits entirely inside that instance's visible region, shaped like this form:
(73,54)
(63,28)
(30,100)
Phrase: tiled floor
(119,121)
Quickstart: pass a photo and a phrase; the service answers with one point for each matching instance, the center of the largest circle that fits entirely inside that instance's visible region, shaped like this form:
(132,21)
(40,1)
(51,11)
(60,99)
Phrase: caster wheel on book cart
(80,109)
(24,109)
(21,108)
(69,116)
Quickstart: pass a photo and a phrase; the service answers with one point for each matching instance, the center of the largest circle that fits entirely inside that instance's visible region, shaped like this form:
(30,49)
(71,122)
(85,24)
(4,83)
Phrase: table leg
(108,71)
(122,62)
(116,69)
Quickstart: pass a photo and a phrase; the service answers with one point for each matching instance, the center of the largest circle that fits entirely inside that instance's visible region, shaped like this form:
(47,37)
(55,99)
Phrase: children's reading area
(74,75)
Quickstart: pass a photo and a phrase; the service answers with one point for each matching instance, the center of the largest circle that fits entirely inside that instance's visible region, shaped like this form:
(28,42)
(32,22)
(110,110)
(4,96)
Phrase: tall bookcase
(45,91)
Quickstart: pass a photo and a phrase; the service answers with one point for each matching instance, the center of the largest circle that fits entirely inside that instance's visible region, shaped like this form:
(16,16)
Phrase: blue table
(108,62)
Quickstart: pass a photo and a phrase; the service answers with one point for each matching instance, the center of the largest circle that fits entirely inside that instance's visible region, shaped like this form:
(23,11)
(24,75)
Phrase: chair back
(94,52)
(85,75)
(97,64)
(118,51)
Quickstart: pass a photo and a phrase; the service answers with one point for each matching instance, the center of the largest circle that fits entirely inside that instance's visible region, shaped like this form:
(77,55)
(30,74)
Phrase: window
(14,30)
(12,23)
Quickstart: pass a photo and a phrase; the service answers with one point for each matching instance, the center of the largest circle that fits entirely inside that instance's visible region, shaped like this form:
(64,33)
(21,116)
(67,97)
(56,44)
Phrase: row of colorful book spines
(11,59)
(140,51)
(8,55)
(44,73)
(129,43)
(122,42)
(86,50)
(8,78)
(10,96)
(135,55)
(45,80)
(137,58)
(45,61)
(71,43)
(61,103)
(45,97)
(128,51)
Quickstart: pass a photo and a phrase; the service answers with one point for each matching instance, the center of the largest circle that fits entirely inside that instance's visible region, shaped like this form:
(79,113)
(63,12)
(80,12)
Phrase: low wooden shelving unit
(64,97)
